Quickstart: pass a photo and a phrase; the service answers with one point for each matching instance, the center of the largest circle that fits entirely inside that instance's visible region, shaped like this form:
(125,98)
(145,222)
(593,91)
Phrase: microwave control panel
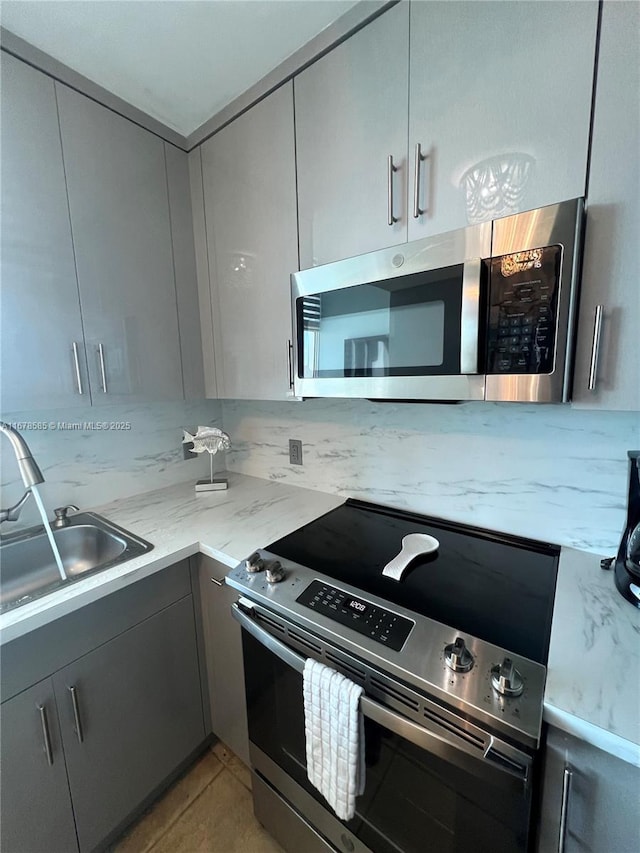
(523,300)
(383,626)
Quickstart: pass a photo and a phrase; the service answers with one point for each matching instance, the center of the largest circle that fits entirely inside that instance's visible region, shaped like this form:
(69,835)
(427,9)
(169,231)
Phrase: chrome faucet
(29,471)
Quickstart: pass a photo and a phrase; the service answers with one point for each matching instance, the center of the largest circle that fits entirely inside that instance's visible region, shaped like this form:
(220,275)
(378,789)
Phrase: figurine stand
(211,485)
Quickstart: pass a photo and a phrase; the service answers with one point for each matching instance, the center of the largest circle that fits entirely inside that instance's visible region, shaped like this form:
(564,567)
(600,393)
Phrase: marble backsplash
(88,467)
(549,472)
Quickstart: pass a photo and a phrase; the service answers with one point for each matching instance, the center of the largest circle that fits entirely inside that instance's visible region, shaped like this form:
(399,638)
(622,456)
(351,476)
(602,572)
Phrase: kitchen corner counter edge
(593,689)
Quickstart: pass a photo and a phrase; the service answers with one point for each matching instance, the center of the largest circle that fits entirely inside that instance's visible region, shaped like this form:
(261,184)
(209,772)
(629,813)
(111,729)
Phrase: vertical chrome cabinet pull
(417,211)
(45,735)
(290,362)
(566,787)
(391,219)
(595,347)
(103,371)
(76,713)
(76,360)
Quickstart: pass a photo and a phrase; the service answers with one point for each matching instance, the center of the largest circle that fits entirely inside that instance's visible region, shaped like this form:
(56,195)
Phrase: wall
(89,467)
(548,472)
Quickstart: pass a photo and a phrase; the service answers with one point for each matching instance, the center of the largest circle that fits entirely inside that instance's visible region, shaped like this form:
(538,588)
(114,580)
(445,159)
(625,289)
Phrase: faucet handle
(61,515)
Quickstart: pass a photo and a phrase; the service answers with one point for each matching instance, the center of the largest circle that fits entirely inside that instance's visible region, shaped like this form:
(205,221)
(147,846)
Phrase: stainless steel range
(447,628)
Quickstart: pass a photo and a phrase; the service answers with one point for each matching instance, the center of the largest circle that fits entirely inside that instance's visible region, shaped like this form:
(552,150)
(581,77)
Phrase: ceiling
(180,61)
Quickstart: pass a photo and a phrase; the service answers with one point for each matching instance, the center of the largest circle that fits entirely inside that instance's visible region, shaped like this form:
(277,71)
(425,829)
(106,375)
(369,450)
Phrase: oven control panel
(381,625)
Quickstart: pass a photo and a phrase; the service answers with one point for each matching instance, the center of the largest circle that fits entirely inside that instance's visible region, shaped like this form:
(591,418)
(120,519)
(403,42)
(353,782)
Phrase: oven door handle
(439,741)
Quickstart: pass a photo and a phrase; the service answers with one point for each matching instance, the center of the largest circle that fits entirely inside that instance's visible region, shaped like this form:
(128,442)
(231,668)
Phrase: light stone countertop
(593,672)
(593,679)
(226,525)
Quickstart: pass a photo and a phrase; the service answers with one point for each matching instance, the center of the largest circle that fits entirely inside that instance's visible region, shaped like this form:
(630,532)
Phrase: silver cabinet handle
(290,362)
(217,582)
(417,211)
(76,713)
(45,734)
(566,787)
(76,360)
(595,347)
(391,219)
(103,372)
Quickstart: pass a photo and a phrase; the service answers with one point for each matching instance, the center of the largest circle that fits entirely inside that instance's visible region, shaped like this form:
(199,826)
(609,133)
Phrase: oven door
(401,323)
(428,786)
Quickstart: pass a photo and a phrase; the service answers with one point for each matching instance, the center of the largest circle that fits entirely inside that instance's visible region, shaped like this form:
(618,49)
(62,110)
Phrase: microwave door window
(406,326)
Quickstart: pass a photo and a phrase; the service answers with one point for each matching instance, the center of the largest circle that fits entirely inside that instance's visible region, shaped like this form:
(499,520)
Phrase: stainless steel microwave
(483,313)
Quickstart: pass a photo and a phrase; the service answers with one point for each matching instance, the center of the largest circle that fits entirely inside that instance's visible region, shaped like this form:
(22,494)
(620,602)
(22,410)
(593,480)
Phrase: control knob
(275,572)
(506,679)
(457,656)
(254,563)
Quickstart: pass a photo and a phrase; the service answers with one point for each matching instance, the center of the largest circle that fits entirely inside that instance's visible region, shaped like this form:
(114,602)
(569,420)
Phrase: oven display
(383,626)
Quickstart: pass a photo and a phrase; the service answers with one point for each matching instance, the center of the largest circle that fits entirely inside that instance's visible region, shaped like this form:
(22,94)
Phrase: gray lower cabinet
(102,707)
(35,805)
(130,712)
(225,670)
(590,799)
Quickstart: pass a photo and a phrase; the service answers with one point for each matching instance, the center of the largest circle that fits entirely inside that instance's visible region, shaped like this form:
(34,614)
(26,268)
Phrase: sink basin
(89,544)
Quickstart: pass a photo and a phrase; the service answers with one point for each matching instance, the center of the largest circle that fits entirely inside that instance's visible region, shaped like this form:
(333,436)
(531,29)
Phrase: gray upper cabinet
(184,262)
(500,104)
(34,795)
(116,179)
(248,172)
(484,107)
(40,316)
(612,253)
(351,116)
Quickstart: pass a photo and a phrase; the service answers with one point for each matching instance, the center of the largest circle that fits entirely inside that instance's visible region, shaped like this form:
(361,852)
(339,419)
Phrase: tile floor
(208,810)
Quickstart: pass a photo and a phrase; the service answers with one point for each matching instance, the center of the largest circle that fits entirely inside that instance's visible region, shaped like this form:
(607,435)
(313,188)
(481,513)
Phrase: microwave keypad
(522,311)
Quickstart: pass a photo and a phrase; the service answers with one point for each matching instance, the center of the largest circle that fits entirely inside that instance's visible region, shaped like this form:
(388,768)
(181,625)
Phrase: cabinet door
(117,182)
(35,806)
(351,114)
(40,307)
(500,104)
(134,715)
(250,204)
(601,803)
(225,669)
(184,262)
(611,254)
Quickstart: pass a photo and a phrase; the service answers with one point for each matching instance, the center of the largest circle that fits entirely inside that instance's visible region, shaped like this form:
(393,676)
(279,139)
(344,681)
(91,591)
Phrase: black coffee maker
(627,568)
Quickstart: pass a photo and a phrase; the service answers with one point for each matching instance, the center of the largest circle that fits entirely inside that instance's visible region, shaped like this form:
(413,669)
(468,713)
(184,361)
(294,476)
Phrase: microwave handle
(439,742)
(470,316)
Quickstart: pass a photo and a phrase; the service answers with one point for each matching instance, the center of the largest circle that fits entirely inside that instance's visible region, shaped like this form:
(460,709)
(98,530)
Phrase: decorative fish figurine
(207,438)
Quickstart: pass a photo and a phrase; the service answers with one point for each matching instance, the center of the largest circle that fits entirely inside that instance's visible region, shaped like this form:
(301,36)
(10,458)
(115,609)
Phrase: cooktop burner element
(496,587)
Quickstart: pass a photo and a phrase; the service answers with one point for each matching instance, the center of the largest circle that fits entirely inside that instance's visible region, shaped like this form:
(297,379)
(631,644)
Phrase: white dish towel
(334,729)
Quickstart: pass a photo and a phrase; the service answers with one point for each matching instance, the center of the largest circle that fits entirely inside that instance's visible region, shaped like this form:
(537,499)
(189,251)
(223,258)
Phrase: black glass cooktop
(496,587)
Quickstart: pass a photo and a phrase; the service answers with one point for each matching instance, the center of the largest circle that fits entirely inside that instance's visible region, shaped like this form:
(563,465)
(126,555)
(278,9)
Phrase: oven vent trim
(354,671)
(272,623)
(304,642)
(452,728)
(388,690)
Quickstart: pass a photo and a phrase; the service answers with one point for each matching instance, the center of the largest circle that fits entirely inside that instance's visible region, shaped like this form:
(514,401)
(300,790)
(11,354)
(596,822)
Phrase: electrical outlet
(295,451)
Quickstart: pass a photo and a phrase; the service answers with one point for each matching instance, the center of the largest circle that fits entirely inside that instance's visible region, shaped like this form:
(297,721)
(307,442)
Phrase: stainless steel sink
(88,544)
